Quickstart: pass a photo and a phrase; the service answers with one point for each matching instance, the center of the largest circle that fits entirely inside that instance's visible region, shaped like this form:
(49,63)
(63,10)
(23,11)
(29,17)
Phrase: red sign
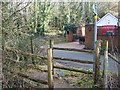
(108,28)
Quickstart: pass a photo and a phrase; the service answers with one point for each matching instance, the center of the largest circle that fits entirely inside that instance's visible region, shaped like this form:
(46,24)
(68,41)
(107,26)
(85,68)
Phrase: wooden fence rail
(75,70)
(27,77)
(28,66)
(114,58)
(70,49)
(74,60)
(25,53)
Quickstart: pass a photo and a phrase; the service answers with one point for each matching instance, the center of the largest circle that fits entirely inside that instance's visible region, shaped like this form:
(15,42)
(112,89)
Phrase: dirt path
(59,82)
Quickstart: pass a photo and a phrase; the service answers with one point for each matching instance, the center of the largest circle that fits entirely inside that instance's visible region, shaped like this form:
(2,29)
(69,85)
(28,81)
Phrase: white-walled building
(108,19)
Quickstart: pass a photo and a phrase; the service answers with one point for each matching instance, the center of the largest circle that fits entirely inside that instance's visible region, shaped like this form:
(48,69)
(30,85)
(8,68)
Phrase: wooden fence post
(105,67)
(51,46)
(50,66)
(97,63)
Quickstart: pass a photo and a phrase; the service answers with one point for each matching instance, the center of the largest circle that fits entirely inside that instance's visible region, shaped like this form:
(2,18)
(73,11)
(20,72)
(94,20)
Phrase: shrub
(71,27)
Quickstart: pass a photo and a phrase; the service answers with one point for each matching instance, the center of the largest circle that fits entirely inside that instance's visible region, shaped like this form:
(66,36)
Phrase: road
(82,56)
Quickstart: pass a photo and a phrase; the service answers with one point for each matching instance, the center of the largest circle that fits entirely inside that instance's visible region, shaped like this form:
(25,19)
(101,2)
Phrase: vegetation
(85,80)
(70,27)
(28,26)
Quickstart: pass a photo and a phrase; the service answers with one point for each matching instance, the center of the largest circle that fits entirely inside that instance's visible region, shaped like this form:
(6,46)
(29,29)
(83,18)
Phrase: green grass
(60,40)
(80,79)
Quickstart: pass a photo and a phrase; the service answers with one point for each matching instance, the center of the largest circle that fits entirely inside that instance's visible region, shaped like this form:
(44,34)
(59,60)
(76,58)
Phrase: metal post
(95,31)
(95,38)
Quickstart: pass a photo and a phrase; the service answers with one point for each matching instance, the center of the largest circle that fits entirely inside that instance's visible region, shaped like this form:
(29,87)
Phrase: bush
(70,26)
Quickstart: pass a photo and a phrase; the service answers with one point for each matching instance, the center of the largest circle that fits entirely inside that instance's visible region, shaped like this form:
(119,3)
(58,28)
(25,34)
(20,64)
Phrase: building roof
(108,19)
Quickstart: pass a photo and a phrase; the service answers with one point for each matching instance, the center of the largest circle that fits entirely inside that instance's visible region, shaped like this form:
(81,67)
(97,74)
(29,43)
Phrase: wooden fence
(50,57)
(9,49)
(97,62)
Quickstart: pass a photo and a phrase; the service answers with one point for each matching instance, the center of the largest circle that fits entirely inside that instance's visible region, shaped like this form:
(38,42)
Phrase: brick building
(107,30)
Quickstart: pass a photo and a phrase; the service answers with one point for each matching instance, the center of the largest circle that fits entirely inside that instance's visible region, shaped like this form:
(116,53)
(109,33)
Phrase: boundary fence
(96,63)
(50,63)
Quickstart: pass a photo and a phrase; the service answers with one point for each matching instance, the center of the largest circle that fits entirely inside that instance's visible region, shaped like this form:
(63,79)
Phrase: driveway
(112,66)
(74,45)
